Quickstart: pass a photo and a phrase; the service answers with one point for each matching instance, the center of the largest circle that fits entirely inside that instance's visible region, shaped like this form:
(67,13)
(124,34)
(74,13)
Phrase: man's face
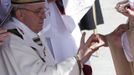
(33,16)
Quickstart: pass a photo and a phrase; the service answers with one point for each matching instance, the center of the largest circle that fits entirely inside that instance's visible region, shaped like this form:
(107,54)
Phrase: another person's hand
(129,13)
(122,6)
(86,48)
(115,36)
(3,35)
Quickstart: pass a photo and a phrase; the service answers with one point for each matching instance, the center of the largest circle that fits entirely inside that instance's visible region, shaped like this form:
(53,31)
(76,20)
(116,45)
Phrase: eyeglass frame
(36,12)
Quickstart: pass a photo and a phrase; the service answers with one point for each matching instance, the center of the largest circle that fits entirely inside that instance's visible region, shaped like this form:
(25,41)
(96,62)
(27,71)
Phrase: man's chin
(40,24)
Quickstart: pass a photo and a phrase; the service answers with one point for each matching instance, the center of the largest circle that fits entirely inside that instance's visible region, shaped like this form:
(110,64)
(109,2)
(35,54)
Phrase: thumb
(130,11)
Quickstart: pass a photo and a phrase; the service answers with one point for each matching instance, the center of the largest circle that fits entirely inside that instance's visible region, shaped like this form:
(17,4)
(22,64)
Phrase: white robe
(64,34)
(62,41)
(20,59)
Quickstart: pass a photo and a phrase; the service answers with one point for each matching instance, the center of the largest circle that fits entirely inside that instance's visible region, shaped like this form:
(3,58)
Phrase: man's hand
(87,48)
(102,41)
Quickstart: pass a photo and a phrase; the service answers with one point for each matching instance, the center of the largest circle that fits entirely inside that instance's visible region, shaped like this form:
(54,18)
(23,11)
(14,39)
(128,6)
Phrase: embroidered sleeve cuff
(80,65)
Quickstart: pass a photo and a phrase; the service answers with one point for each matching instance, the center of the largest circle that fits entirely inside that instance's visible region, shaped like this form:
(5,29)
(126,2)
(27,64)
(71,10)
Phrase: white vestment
(63,36)
(21,59)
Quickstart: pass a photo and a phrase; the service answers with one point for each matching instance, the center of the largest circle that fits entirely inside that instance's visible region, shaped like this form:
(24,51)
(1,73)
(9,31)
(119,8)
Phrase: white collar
(24,28)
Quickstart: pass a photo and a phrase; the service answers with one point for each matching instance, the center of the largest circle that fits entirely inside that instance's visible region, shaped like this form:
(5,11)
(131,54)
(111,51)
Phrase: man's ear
(19,15)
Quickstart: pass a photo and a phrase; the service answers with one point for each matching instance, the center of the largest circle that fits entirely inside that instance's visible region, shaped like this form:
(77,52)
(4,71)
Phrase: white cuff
(126,47)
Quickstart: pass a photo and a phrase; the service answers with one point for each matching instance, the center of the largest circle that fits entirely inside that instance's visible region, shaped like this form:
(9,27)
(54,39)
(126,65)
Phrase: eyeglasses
(36,12)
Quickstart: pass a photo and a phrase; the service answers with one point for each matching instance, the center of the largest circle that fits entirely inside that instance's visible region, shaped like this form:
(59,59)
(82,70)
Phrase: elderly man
(25,53)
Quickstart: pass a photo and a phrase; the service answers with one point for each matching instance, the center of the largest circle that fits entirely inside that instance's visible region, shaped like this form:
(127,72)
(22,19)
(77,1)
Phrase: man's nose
(42,15)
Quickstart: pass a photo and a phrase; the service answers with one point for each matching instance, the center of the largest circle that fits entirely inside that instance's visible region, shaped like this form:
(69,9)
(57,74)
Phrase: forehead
(36,5)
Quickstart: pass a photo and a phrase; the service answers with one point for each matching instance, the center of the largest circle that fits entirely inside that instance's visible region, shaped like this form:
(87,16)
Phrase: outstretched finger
(82,42)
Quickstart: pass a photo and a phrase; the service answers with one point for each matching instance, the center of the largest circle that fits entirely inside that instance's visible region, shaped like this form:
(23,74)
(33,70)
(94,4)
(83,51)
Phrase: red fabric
(87,69)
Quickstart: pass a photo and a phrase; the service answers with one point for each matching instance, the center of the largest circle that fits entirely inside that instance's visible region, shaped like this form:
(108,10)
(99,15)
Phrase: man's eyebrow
(40,8)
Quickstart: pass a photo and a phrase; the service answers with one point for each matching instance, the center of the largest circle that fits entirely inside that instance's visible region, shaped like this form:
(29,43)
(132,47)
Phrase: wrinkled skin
(88,48)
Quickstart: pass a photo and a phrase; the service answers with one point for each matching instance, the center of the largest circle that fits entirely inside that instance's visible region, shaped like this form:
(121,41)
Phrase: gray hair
(16,7)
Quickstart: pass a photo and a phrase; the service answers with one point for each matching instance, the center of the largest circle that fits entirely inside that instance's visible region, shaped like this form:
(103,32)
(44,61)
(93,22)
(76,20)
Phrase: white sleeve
(22,60)
(126,47)
(69,23)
